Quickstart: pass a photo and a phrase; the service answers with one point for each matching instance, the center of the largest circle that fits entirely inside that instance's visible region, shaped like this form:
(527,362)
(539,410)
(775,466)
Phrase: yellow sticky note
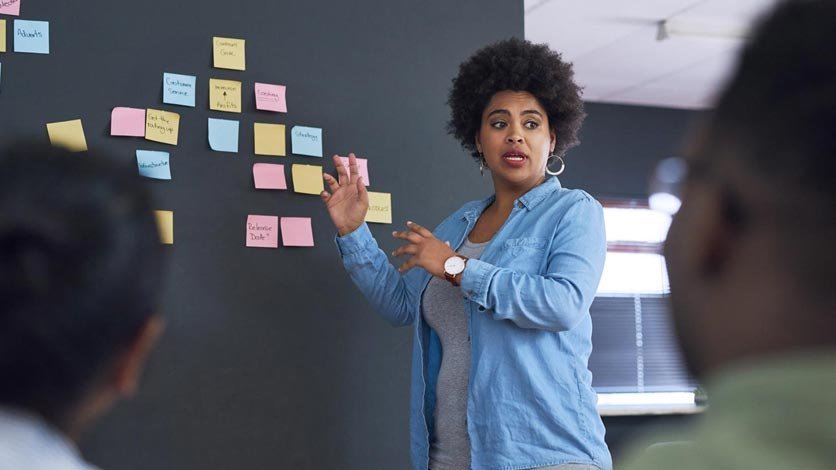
(307,179)
(229,53)
(269,139)
(162,126)
(380,208)
(2,35)
(165,224)
(225,95)
(67,134)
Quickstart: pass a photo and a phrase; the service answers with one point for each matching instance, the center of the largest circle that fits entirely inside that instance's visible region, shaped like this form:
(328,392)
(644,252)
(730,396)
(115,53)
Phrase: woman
(500,300)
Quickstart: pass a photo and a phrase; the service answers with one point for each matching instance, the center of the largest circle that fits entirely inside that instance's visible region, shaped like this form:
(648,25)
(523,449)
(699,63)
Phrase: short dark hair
(80,272)
(518,65)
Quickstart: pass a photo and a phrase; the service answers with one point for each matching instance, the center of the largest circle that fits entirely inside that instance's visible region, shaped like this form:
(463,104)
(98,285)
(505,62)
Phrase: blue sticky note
(153,164)
(223,135)
(306,141)
(179,89)
(32,36)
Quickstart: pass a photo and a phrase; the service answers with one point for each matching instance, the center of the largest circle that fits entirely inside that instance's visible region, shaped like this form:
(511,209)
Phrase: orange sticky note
(307,179)
(2,35)
(67,134)
(229,53)
(225,95)
(380,208)
(162,126)
(165,224)
(269,139)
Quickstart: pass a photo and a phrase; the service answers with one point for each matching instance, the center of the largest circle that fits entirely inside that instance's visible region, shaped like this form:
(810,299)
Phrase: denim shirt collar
(528,200)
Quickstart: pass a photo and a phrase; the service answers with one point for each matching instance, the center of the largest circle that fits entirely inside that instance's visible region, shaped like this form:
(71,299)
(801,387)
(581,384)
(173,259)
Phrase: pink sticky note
(263,231)
(269,176)
(296,231)
(10,7)
(128,122)
(270,97)
(362,167)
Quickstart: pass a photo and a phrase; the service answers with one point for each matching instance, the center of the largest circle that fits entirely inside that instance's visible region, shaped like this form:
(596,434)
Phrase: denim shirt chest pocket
(526,254)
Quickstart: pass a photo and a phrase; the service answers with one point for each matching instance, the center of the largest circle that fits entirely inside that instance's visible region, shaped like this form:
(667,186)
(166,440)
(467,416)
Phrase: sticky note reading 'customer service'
(153,164)
(10,7)
(263,231)
(362,168)
(306,141)
(380,208)
(67,134)
(31,36)
(269,176)
(178,89)
(165,225)
(127,122)
(223,135)
(225,95)
(229,53)
(269,139)
(296,231)
(162,126)
(270,97)
(307,179)
(2,35)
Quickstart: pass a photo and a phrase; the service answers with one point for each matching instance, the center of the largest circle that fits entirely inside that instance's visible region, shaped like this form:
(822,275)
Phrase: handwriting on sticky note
(306,141)
(162,126)
(10,7)
(269,139)
(225,95)
(223,135)
(229,53)
(178,89)
(270,97)
(127,122)
(67,134)
(307,179)
(31,36)
(263,231)
(269,176)
(165,225)
(380,208)
(2,34)
(153,164)
(297,231)
(362,168)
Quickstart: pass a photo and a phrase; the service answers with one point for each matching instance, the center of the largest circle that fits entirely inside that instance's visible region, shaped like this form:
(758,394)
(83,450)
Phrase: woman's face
(515,139)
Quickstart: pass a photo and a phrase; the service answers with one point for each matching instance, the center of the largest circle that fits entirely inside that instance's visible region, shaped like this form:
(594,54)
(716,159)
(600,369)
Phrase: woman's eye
(498,124)
(532,125)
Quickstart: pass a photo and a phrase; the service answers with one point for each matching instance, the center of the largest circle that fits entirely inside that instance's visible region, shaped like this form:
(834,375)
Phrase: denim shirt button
(520,204)
(481,308)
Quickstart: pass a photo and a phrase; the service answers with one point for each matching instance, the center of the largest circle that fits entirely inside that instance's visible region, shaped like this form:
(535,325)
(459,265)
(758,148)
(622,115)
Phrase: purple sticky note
(296,231)
(10,7)
(270,97)
(263,231)
(362,167)
(127,122)
(269,176)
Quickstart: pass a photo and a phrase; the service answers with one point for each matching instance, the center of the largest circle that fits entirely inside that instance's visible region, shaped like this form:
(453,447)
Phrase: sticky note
(127,122)
(362,167)
(307,179)
(162,126)
(153,164)
(2,35)
(229,53)
(178,89)
(263,231)
(31,36)
(224,95)
(165,225)
(270,97)
(67,134)
(380,208)
(269,176)
(10,7)
(306,141)
(296,231)
(269,139)
(223,135)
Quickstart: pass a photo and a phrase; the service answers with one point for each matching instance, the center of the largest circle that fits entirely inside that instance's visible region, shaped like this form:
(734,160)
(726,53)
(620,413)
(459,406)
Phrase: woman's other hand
(348,201)
(426,251)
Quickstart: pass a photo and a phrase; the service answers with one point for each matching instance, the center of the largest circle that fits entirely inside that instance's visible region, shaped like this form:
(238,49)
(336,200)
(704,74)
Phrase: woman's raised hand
(348,200)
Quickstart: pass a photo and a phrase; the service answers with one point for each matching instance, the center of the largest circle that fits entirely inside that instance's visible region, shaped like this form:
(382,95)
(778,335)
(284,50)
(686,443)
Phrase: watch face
(454,265)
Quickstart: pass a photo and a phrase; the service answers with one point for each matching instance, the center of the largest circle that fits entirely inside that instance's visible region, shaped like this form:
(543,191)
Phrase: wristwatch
(454,266)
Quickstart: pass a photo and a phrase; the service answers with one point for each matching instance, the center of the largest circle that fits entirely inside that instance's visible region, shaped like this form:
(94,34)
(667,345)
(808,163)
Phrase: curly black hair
(519,65)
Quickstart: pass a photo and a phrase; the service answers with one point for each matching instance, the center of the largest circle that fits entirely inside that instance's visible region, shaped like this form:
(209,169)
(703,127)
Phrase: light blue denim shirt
(530,399)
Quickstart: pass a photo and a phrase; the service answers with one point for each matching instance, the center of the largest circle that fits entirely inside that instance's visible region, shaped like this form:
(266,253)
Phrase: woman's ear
(478,142)
(553,140)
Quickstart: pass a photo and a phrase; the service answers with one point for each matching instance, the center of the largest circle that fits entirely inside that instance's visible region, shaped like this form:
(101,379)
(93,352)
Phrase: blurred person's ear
(128,366)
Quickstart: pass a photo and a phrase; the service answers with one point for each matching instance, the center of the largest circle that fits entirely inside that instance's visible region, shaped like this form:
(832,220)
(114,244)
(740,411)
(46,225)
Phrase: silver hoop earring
(549,162)
(481,164)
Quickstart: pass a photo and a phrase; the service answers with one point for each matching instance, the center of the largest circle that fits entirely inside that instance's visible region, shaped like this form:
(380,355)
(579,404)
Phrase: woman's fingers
(409,249)
(342,174)
(412,237)
(325,196)
(409,264)
(333,185)
(419,230)
(354,172)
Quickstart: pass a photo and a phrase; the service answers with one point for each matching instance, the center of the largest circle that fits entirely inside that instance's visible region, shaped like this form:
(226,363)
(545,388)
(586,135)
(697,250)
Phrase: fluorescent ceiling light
(675,27)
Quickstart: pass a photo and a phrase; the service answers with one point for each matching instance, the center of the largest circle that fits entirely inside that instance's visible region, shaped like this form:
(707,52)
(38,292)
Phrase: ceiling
(618,58)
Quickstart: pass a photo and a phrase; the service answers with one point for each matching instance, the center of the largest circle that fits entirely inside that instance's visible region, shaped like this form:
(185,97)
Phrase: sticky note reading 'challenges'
(263,231)
(269,139)
(296,231)
(270,97)
(153,164)
(127,122)
(31,36)
(2,35)
(67,134)
(306,141)
(269,176)
(178,89)
(225,95)
(307,179)
(165,225)
(10,7)
(362,167)
(162,126)
(380,208)
(229,53)
(223,135)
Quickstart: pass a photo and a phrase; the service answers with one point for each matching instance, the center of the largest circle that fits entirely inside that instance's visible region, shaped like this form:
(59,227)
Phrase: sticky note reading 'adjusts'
(297,231)
(224,95)
(263,231)
(269,139)
(380,208)
(10,7)
(162,126)
(307,179)
(153,164)
(306,141)
(165,225)
(223,135)
(229,53)
(178,89)
(270,97)
(362,168)
(269,176)
(127,122)
(67,134)
(31,36)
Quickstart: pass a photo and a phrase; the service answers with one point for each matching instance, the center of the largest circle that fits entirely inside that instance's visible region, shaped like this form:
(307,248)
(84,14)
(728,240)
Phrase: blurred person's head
(80,275)
(752,251)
